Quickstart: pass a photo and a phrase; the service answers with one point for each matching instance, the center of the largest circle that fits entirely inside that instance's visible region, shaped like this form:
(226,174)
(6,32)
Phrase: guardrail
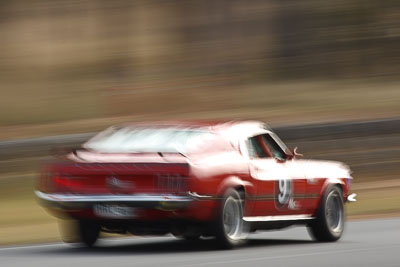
(339,130)
(323,131)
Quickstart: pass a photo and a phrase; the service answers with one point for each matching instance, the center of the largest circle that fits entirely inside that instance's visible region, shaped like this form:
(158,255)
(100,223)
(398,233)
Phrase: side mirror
(296,154)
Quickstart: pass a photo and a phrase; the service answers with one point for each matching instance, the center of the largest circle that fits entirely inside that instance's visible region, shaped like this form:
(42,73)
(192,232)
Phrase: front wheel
(329,223)
(229,223)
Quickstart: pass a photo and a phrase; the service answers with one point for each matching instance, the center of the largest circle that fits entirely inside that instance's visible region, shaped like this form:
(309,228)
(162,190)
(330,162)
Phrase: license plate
(113,211)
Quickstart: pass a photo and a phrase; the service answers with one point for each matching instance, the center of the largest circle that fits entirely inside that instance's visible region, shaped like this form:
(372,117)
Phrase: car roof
(232,130)
(214,126)
(185,124)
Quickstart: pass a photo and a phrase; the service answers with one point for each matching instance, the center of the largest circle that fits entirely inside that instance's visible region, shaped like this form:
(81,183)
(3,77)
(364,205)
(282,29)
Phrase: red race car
(194,179)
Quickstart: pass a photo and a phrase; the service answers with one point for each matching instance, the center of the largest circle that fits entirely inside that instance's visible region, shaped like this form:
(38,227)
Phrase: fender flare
(332,181)
(234,182)
(328,182)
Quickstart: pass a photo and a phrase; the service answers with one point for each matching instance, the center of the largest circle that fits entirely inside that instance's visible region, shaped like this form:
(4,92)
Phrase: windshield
(153,139)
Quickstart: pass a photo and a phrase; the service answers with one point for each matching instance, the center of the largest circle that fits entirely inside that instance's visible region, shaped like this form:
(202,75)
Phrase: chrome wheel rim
(232,218)
(334,212)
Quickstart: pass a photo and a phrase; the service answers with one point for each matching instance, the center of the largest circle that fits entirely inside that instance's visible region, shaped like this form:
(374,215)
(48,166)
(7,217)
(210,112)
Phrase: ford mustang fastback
(194,180)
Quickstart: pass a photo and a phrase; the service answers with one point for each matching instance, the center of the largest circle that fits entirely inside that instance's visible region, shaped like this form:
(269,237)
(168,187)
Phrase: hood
(325,169)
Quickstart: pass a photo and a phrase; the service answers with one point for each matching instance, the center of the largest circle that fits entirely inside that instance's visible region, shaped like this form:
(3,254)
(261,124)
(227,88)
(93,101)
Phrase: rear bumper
(72,201)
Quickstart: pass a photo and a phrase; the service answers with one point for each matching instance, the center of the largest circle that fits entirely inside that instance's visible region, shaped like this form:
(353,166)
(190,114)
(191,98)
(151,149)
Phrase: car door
(290,189)
(264,169)
(280,181)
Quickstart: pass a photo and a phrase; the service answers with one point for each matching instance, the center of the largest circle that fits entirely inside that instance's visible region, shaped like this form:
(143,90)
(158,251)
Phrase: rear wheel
(88,232)
(229,223)
(329,223)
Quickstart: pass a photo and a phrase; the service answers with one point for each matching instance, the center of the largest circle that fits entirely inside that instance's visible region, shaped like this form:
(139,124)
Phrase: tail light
(171,183)
(51,182)
(67,183)
(55,183)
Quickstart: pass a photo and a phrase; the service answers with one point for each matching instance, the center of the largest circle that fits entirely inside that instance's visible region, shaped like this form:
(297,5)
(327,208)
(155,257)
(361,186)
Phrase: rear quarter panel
(213,175)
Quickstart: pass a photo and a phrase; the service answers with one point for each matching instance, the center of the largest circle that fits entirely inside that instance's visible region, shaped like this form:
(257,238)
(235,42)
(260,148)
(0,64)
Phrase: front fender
(342,182)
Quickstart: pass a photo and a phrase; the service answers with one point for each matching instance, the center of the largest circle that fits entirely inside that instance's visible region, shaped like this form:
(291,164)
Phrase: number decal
(283,192)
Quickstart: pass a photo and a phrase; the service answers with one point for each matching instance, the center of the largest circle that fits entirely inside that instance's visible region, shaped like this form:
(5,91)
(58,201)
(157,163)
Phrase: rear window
(153,139)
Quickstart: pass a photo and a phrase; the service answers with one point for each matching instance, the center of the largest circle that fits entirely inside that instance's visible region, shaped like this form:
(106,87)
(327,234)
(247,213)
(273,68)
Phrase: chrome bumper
(72,201)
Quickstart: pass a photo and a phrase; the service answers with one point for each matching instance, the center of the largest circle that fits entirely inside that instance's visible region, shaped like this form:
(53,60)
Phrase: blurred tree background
(69,66)
(63,60)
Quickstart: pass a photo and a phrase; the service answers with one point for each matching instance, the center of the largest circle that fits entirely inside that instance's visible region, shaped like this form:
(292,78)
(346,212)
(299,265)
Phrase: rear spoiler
(62,152)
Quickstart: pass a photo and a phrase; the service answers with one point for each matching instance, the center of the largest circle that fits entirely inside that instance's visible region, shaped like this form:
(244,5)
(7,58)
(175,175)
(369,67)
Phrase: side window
(276,151)
(256,147)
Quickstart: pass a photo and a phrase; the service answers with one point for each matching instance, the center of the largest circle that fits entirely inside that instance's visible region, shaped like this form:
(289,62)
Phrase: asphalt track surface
(365,243)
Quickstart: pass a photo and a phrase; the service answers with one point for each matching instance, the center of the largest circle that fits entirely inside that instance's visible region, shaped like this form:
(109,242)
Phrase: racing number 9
(283,192)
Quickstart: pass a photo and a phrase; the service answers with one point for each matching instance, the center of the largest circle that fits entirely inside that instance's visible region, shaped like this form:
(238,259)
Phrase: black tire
(88,232)
(229,223)
(328,225)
